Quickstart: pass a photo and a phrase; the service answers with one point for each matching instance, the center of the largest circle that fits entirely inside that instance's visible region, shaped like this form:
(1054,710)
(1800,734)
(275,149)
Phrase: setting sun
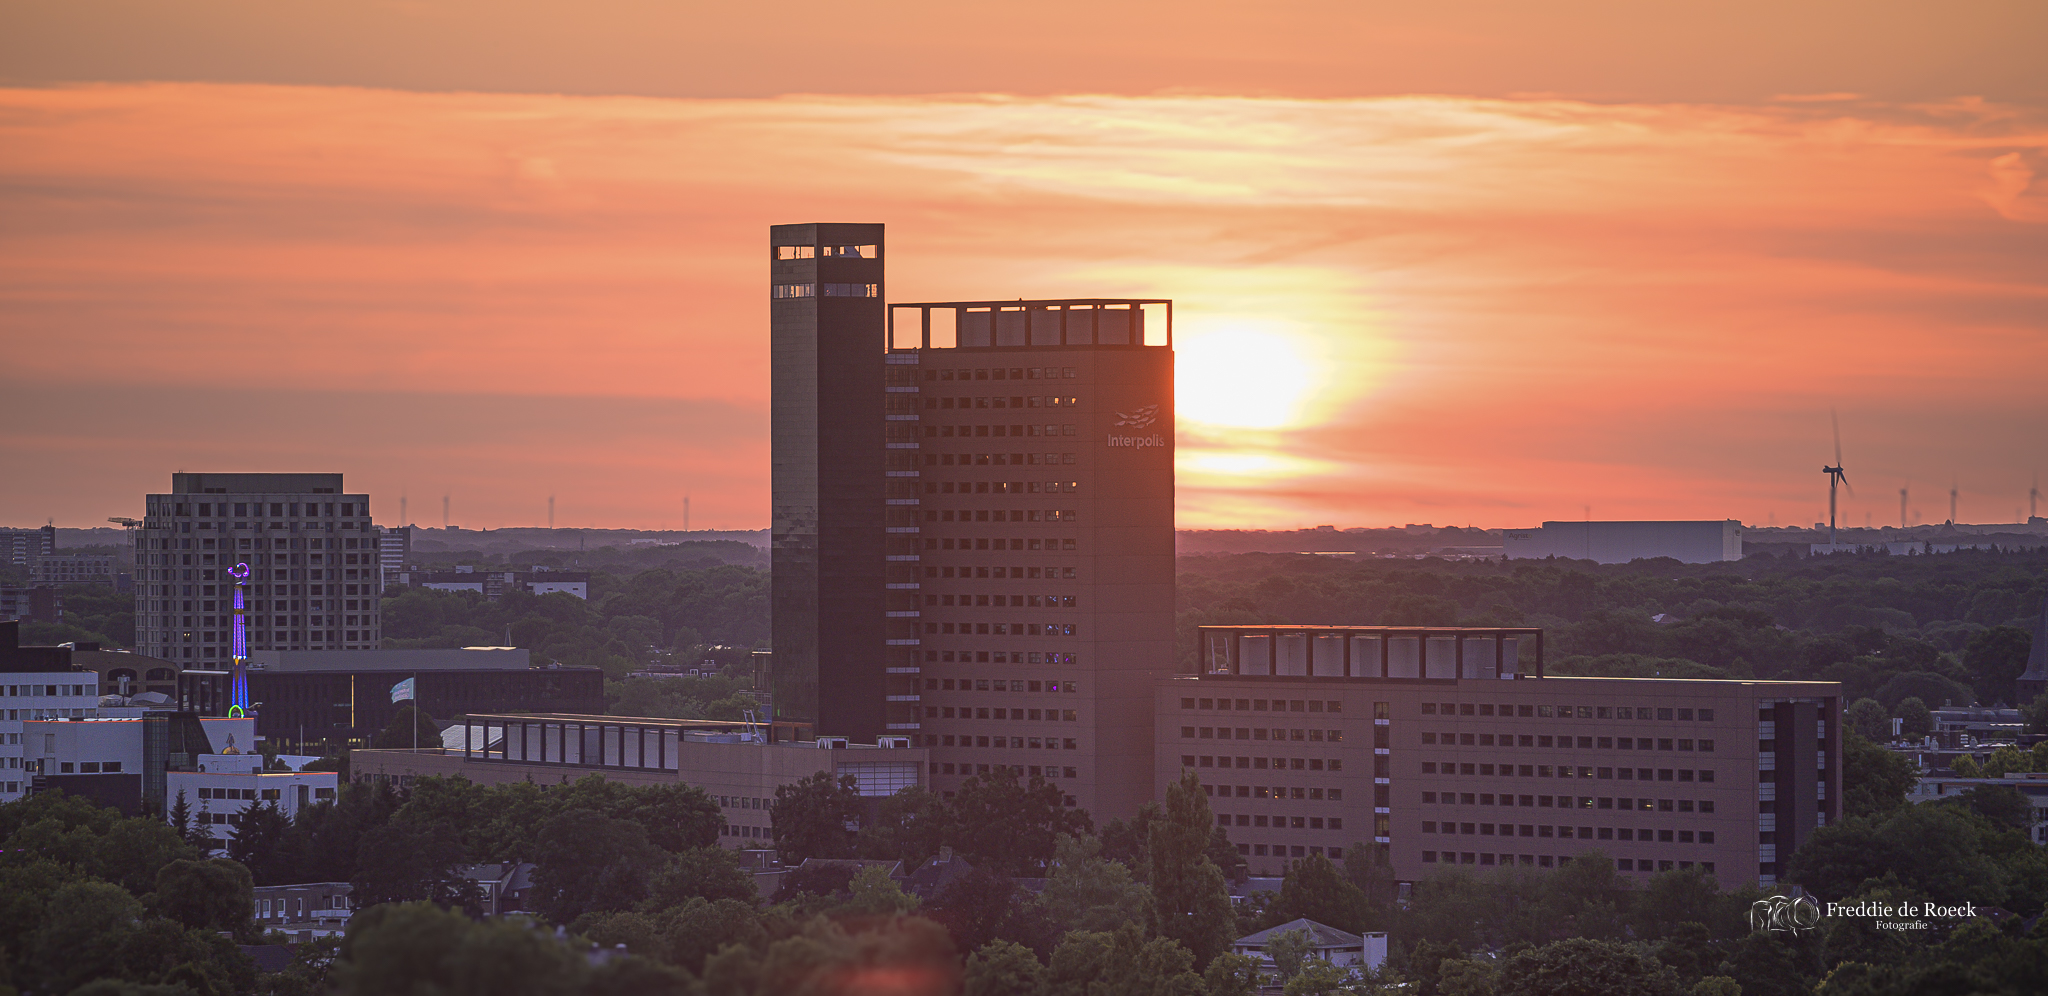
(1242,377)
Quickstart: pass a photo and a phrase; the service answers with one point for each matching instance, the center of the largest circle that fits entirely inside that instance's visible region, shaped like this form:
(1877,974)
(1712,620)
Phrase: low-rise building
(225,787)
(493,585)
(36,683)
(56,569)
(729,761)
(43,605)
(1345,950)
(324,906)
(2033,785)
(1450,746)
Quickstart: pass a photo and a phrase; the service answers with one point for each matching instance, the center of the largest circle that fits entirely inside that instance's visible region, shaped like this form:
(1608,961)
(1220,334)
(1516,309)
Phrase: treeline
(93,613)
(628,622)
(1950,628)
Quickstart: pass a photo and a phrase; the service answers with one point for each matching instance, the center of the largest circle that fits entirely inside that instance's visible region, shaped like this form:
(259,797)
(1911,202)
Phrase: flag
(402,690)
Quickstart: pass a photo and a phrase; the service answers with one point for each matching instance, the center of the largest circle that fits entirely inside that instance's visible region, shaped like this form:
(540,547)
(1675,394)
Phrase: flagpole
(415,712)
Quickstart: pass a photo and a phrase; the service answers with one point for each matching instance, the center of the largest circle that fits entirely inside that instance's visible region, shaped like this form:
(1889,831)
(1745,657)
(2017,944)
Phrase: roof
(1324,935)
(934,875)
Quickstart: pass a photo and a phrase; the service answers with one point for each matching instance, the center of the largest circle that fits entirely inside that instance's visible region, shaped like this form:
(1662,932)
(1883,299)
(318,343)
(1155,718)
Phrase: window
(786,291)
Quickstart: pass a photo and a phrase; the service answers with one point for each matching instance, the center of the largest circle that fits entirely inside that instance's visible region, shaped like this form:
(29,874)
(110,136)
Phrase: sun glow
(1243,376)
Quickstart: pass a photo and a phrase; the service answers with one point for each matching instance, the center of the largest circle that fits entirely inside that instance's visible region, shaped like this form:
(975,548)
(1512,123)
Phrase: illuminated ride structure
(238,689)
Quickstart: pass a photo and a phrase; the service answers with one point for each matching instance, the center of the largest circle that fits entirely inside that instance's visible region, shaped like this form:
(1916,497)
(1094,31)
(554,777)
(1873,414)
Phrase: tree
(1120,963)
(1190,904)
(401,862)
(2036,715)
(1127,843)
(215,894)
(711,873)
(1007,824)
(909,827)
(1966,766)
(1319,977)
(874,893)
(588,862)
(1232,974)
(1580,967)
(816,817)
(1288,949)
(1003,968)
(1874,780)
(1995,658)
(1916,719)
(258,841)
(1367,867)
(411,721)
(984,905)
(419,948)
(1315,890)
(1867,717)
(2001,804)
(1084,892)
(1468,978)
(2006,760)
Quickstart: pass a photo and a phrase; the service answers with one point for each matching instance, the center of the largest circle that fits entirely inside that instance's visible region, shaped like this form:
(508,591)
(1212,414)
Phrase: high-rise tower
(1041,433)
(827,345)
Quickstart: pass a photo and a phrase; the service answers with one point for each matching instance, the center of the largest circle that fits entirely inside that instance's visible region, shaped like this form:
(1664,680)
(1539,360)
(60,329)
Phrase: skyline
(1545,286)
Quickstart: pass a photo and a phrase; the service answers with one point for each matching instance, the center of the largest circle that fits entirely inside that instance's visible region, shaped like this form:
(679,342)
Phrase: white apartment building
(29,697)
(312,554)
(225,786)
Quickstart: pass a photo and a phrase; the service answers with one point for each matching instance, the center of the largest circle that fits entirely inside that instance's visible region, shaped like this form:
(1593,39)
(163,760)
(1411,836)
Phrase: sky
(1482,264)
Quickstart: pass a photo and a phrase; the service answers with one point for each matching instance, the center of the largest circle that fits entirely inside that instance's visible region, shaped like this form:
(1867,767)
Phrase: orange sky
(1488,308)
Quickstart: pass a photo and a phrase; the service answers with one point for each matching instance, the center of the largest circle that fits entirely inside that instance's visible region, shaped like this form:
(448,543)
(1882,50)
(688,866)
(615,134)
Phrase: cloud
(1492,310)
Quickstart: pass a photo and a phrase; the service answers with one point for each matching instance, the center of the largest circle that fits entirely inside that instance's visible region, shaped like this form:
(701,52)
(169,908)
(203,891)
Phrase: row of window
(1570,802)
(1566,743)
(1000,373)
(997,459)
(1559,861)
(998,685)
(1280,822)
(278,510)
(1002,515)
(1031,429)
(1306,793)
(828,252)
(21,690)
(1566,712)
(1279,763)
(1000,543)
(742,830)
(1034,401)
(1284,850)
(260,589)
(742,802)
(999,629)
(1048,772)
(1584,833)
(1000,743)
(248,794)
(1570,771)
(1003,601)
(788,291)
(999,572)
(1259,733)
(294,543)
(1002,487)
(1274,705)
(1003,657)
(982,712)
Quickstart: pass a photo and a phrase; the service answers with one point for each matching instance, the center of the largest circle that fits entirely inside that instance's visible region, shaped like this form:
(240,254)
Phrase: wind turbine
(1952,492)
(1902,508)
(2034,499)
(1835,477)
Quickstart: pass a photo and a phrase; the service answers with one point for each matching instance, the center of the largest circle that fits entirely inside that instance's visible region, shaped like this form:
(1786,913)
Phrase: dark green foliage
(1005,823)
(1874,780)
(1189,902)
(1580,967)
(419,948)
(983,906)
(206,895)
(1994,658)
(589,862)
(1948,853)
(1318,891)
(1121,963)
(816,817)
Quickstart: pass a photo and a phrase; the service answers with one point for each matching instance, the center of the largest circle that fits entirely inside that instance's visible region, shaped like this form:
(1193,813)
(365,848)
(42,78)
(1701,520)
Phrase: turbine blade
(1836,418)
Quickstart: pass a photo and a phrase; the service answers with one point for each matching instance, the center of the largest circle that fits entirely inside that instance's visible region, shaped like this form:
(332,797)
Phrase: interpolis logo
(1143,418)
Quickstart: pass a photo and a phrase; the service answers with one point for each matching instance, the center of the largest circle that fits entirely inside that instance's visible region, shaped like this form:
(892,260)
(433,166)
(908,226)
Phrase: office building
(394,547)
(1450,746)
(36,683)
(23,547)
(310,549)
(734,763)
(845,646)
(44,605)
(1002,603)
(222,788)
(341,698)
(1038,449)
(1620,542)
(57,569)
